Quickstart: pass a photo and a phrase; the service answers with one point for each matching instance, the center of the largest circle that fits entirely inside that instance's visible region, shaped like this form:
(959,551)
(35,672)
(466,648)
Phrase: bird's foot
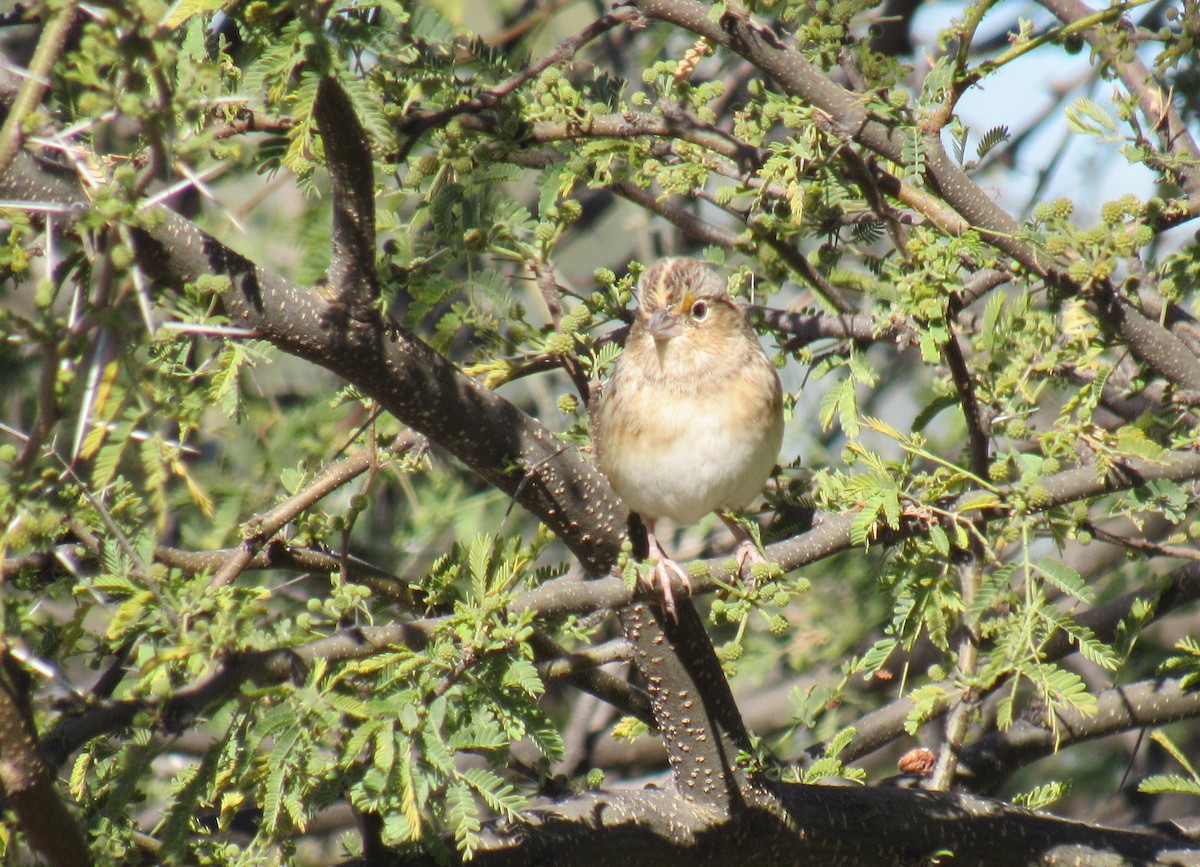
(664,573)
(747,554)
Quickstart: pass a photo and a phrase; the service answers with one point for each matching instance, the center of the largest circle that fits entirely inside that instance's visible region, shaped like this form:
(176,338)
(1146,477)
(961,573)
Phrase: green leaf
(1085,116)
(874,659)
(463,817)
(1065,579)
(1163,784)
(841,402)
(496,793)
(994,136)
(1040,797)
(1161,738)
(926,700)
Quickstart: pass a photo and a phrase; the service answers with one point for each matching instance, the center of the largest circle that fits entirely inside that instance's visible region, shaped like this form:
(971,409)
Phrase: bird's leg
(746,552)
(665,570)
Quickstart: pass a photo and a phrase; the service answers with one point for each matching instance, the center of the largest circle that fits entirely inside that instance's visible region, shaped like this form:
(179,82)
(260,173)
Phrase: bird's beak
(664,325)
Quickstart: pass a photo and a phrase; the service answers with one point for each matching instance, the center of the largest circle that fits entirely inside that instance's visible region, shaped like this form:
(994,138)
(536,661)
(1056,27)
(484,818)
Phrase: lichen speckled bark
(846,826)
(26,784)
(352,187)
(701,726)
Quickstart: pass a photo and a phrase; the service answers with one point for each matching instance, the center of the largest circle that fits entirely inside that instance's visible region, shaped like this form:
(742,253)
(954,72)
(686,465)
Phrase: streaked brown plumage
(691,420)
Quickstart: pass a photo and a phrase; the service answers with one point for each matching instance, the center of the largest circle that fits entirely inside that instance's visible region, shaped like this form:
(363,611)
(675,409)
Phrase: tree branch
(1156,106)
(1139,705)
(28,786)
(352,186)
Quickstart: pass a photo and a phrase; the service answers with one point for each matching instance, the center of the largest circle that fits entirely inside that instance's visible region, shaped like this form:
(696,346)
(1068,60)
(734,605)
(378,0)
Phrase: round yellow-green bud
(576,321)
(571,210)
(258,13)
(1083,537)
(568,404)
(1043,212)
(122,256)
(1112,212)
(475,239)
(91,103)
(732,651)
(1056,245)
(778,625)
(1063,207)
(604,277)
(1080,272)
(1051,466)
(1193,530)
(1000,470)
(545,232)
(1018,428)
(1037,495)
(44,292)
(560,344)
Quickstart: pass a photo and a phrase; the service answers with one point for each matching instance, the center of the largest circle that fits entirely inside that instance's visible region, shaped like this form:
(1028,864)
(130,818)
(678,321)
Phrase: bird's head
(684,307)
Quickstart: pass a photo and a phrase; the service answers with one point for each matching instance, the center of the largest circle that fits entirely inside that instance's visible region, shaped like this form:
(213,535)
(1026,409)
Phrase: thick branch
(1121,709)
(352,186)
(830,826)
(27,784)
(883,726)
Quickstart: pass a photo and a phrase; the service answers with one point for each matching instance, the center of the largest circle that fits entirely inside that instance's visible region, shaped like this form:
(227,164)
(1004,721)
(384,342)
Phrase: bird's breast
(671,453)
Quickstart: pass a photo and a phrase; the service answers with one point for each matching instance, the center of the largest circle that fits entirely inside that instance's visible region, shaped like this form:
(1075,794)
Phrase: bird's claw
(747,554)
(662,574)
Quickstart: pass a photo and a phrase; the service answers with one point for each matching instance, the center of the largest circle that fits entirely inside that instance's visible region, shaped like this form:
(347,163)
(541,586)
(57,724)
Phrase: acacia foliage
(240,595)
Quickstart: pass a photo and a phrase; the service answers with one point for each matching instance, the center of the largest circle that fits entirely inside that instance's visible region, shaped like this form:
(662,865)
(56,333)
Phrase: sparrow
(691,419)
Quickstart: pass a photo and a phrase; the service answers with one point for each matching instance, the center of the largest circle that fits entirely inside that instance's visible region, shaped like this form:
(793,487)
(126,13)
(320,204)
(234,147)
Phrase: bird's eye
(699,310)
